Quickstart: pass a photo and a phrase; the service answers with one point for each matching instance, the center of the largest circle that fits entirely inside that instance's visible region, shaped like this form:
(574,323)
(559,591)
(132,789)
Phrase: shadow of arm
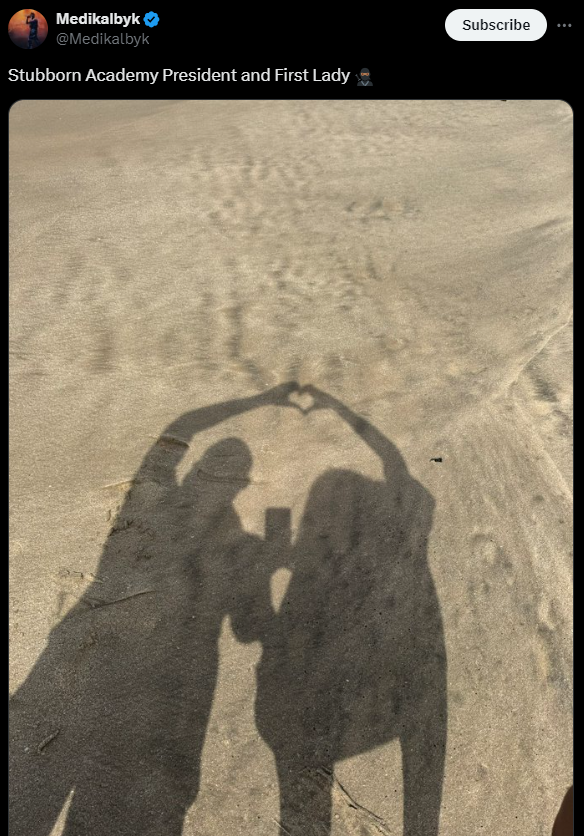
(393,463)
(177,436)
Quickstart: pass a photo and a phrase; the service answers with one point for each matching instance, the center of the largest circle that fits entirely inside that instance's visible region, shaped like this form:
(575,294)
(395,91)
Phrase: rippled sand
(412,259)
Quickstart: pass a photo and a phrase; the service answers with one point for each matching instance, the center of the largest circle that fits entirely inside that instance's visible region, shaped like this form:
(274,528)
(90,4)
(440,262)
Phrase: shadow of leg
(423,754)
(305,799)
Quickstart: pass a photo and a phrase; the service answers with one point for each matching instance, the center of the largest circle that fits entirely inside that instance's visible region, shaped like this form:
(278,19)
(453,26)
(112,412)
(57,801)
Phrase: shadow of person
(356,655)
(113,716)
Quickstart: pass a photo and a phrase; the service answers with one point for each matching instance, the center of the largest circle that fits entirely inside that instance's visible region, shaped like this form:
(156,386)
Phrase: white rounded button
(496,24)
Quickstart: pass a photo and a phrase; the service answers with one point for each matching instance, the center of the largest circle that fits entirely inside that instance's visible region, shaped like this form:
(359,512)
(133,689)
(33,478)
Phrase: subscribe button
(496,24)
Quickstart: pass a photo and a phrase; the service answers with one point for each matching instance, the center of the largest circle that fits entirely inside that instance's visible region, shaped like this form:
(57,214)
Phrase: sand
(170,659)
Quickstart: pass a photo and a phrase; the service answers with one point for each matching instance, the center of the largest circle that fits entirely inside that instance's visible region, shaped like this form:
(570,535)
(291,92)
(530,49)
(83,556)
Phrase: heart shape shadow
(302,401)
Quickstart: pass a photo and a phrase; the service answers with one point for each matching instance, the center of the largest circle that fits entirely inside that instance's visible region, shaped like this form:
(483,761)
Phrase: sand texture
(241,608)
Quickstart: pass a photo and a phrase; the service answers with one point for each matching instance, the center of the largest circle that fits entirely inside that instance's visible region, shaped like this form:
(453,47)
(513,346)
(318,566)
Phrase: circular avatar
(27,28)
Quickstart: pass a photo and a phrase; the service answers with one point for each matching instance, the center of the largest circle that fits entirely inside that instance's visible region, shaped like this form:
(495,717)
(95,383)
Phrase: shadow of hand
(305,399)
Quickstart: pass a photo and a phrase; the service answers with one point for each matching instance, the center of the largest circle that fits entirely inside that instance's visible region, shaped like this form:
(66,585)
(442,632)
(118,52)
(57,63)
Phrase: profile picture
(27,28)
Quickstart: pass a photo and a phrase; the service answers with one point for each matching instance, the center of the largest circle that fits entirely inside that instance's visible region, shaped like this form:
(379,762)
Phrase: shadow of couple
(353,658)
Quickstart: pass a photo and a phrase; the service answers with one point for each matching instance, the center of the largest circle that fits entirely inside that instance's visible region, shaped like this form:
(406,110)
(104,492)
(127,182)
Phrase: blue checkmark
(151,19)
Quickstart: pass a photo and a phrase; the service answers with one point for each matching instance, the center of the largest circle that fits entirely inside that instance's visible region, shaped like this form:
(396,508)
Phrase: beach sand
(410,259)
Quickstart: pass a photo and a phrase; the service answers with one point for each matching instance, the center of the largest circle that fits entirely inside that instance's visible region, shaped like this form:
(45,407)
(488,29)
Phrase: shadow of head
(222,471)
(345,509)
